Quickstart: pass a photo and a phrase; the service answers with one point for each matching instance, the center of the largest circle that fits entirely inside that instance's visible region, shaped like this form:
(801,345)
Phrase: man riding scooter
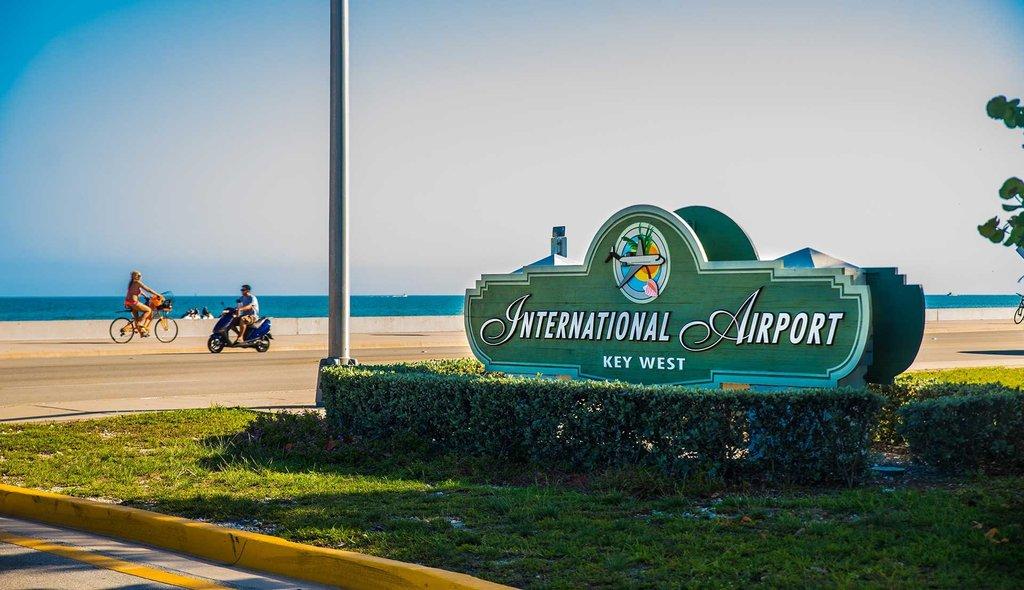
(244,320)
(248,311)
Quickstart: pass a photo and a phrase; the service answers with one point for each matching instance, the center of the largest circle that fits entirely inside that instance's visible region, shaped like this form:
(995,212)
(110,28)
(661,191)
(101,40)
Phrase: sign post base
(331,361)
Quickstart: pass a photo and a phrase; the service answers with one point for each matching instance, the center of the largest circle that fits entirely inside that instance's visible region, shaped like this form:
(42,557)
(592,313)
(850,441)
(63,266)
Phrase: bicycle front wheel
(165,329)
(1018,317)
(122,330)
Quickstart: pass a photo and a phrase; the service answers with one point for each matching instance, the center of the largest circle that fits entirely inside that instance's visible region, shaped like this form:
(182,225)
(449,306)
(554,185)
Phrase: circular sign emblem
(640,262)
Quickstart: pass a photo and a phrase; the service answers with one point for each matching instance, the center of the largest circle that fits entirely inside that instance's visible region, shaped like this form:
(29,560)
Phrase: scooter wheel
(215,344)
(263,344)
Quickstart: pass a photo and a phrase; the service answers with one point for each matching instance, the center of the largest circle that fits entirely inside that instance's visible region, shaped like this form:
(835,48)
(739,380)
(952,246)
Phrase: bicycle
(123,329)
(1018,316)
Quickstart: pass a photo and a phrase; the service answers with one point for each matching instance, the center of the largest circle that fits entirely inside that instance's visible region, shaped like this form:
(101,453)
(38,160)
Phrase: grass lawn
(1010,377)
(527,529)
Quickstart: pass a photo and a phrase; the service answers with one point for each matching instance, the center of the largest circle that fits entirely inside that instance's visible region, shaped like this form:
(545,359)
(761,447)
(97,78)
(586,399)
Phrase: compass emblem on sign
(639,260)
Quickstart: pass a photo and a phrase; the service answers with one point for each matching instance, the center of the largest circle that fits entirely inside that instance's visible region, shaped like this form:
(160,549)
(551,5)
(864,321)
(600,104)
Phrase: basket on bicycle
(162,302)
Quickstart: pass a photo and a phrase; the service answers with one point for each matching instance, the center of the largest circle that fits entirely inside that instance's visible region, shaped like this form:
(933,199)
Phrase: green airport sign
(680,297)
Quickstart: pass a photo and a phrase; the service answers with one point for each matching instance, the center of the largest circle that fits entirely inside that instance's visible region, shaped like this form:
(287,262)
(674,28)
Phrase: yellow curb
(344,569)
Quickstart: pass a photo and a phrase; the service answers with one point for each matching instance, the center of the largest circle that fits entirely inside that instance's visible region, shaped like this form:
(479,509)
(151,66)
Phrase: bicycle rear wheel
(1018,317)
(122,330)
(165,329)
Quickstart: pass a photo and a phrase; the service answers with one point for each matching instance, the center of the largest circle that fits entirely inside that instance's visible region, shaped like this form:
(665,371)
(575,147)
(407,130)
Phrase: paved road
(36,382)
(36,556)
(973,344)
(81,386)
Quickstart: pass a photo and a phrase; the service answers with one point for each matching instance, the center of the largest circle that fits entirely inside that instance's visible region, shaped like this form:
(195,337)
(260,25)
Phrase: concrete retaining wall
(93,329)
(969,313)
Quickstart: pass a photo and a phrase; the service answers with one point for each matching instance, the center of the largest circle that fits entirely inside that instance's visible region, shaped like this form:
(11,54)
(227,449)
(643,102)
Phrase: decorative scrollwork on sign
(513,314)
(710,326)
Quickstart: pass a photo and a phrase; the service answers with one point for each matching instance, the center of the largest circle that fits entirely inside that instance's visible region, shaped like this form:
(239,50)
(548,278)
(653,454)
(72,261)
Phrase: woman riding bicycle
(140,311)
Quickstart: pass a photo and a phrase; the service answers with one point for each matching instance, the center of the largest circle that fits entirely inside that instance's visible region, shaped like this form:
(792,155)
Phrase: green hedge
(971,427)
(794,436)
(925,385)
(461,366)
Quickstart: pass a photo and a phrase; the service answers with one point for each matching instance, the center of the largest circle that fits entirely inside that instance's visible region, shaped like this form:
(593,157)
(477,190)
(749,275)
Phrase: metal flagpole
(338,284)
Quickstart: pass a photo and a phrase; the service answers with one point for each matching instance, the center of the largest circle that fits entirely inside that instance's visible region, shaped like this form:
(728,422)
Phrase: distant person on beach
(205,313)
(248,311)
(140,311)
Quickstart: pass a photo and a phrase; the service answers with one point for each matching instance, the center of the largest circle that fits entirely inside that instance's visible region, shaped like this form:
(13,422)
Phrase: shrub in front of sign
(980,428)
(801,436)
(912,387)
(894,397)
(460,366)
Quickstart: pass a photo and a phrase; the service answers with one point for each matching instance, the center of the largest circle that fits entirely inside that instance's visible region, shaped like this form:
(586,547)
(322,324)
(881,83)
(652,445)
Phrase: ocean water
(962,301)
(282,306)
(305,306)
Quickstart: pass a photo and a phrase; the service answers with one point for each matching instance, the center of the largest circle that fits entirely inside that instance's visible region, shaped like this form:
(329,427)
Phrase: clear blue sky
(188,139)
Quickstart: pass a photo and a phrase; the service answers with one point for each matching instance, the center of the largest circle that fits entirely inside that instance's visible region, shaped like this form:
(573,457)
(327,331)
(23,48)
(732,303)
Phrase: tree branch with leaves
(1010,232)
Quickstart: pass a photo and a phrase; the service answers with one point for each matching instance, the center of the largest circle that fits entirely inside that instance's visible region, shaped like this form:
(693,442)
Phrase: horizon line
(399,295)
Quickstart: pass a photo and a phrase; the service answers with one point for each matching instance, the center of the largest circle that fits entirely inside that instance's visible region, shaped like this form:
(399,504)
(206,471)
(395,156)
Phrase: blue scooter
(257,335)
